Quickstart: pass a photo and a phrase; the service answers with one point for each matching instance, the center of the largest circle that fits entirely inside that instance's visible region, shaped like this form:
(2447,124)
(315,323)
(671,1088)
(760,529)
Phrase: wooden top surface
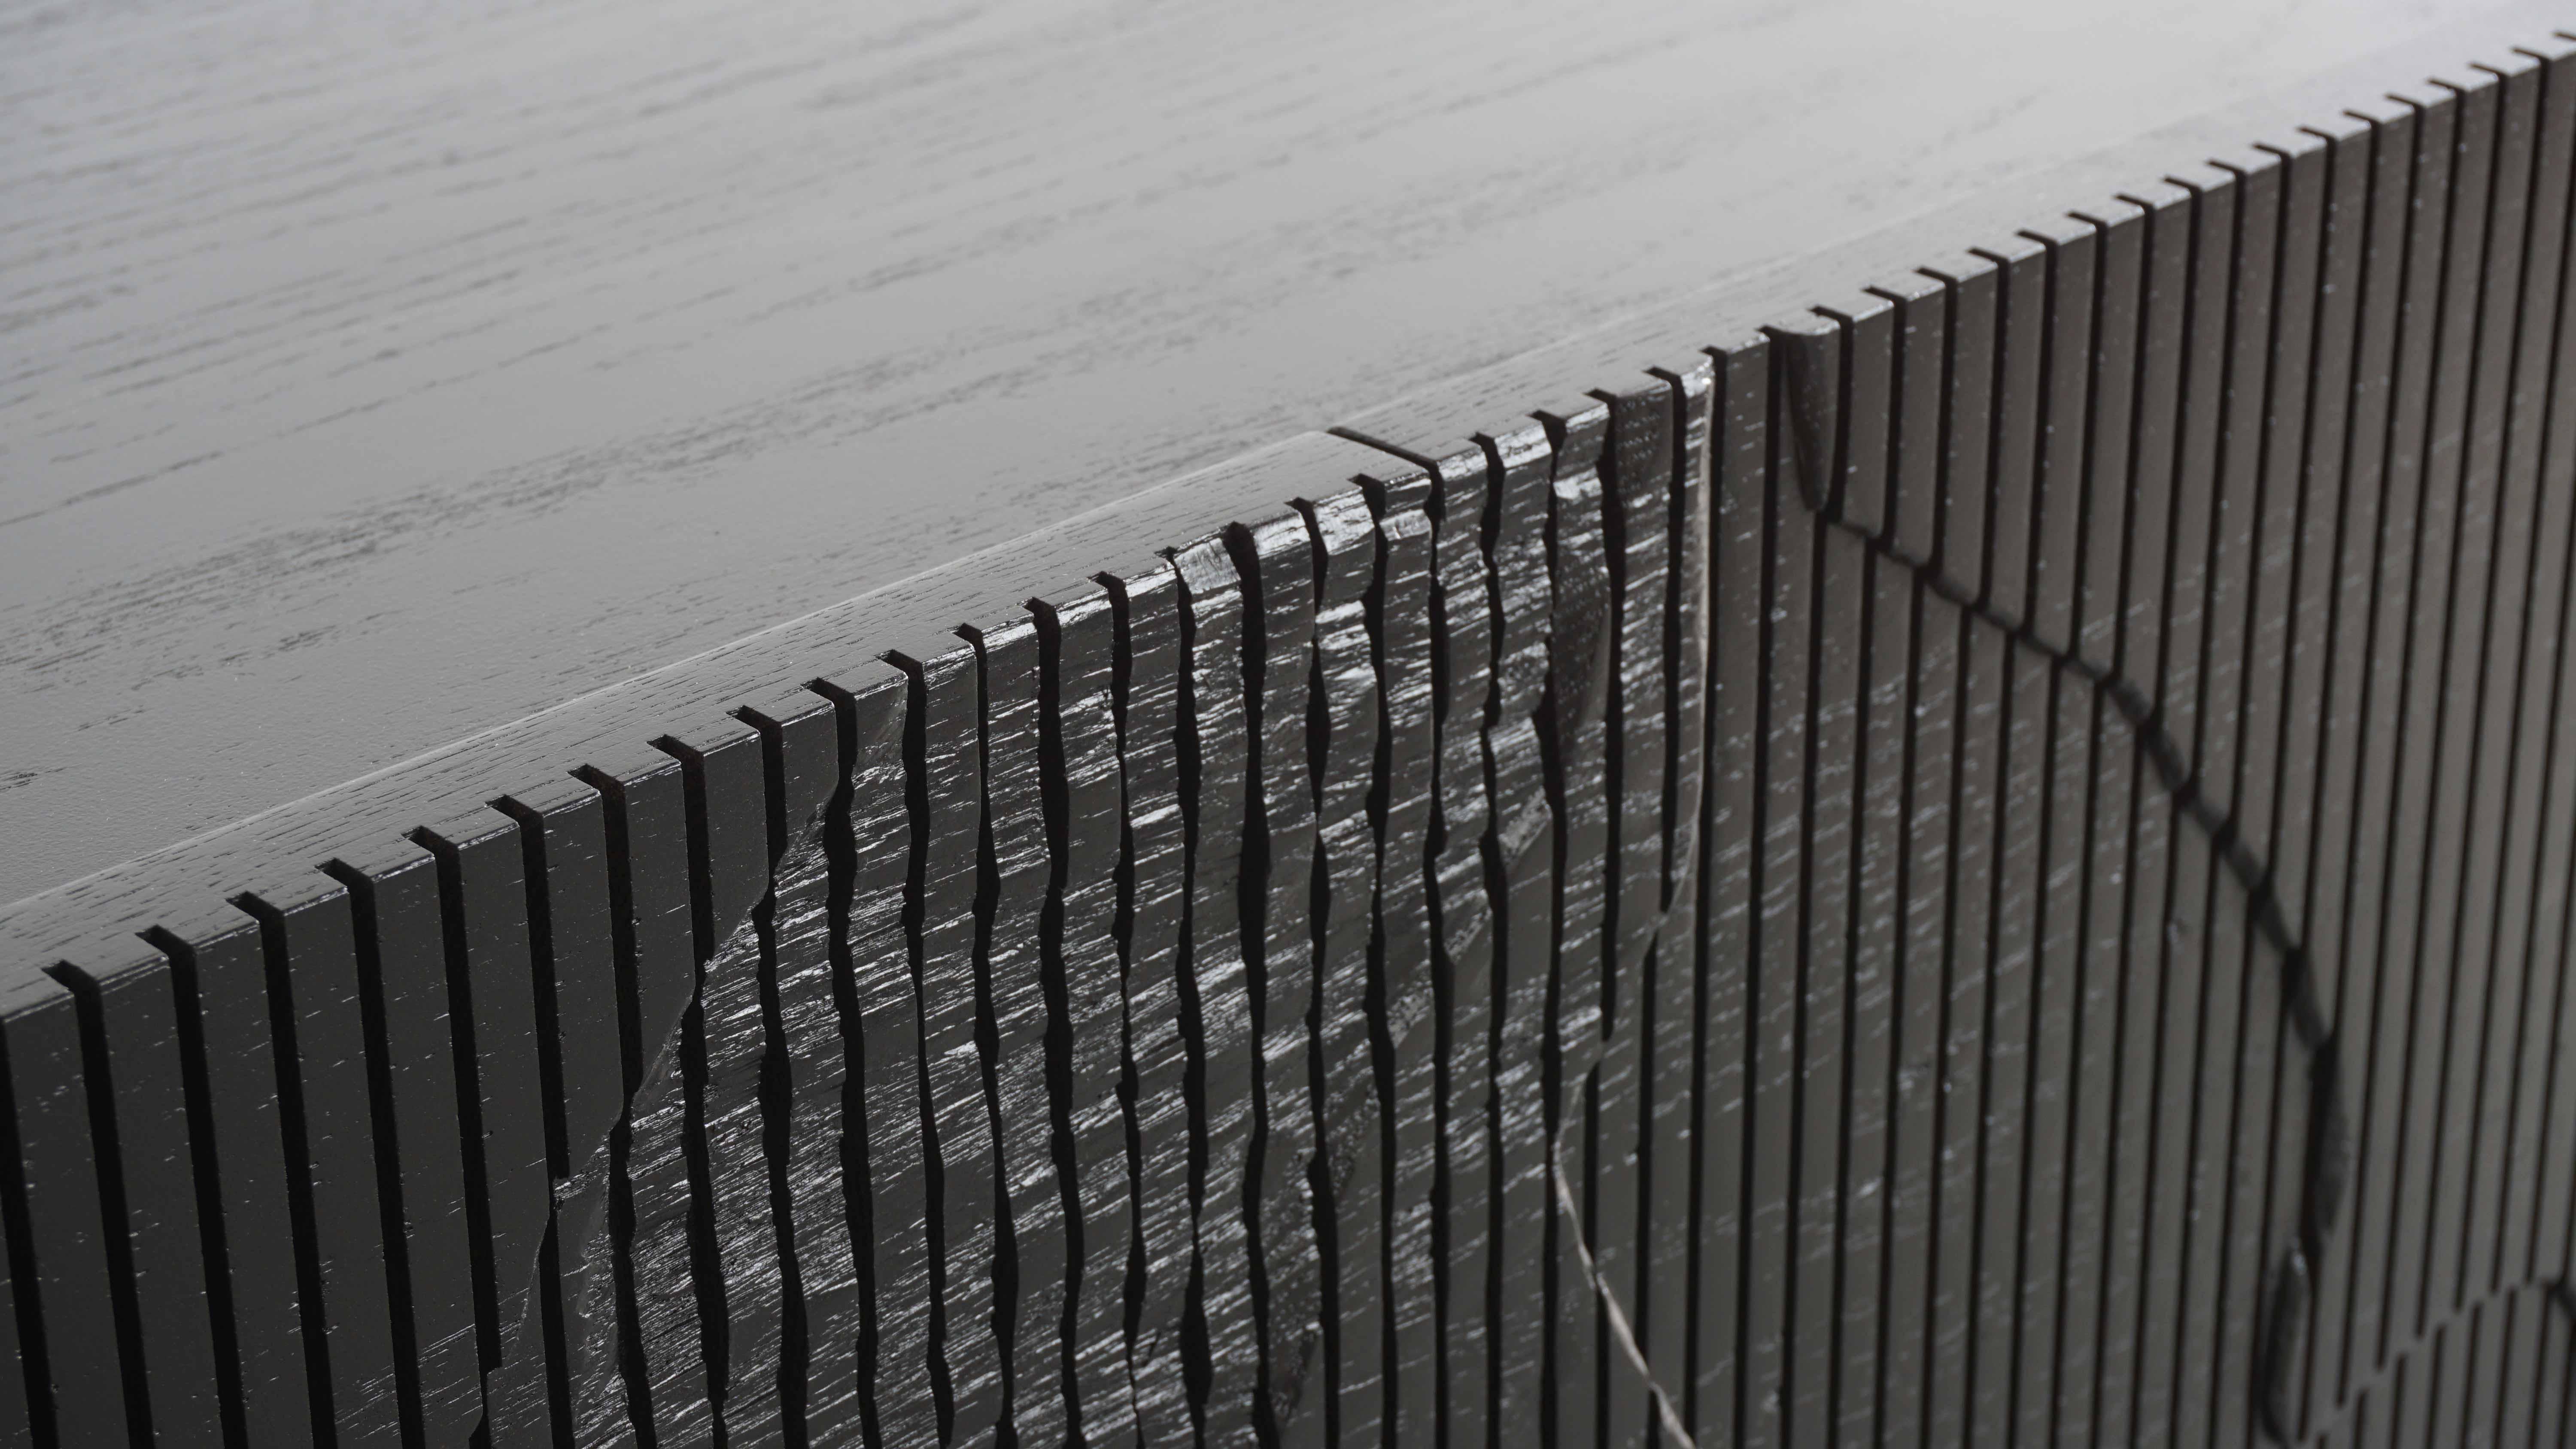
(375,377)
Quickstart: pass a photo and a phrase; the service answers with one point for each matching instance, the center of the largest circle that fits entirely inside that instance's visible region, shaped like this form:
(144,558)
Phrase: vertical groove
(299,1170)
(621,1216)
(1311,1152)
(371,1005)
(840,847)
(114,1235)
(210,1202)
(705,1252)
(541,963)
(35,1360)
(916,773)
(776,1096)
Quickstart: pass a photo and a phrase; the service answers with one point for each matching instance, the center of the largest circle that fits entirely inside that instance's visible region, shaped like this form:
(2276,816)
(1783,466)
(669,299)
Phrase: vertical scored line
(705,1254)
(621,1213)
(299,1172)
(35,1361)
(2352,905)
(541,963)
(115,1235)
(389,1196)
(191,1033)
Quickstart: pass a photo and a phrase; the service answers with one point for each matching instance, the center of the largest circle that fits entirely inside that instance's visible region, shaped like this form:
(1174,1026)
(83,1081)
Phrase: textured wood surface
(374,378)
(1976,856)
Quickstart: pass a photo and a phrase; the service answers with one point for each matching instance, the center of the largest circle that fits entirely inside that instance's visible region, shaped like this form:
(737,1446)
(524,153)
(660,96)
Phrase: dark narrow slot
(1798,1105)
(1900,968)
(1497,882)
(1497,890)
(2478,1108)
(2245,670)
(2232,856)
(1057,805)
(299,1173)
(1444,1008)
(1319,909)
(1677,612)
(2089,476)
(1992,520)
(988,1049)
(1614,713)
(1197,1367)
(776,1103)
(2321,1358)
(1122,669)
(35,1359)
(621,927)
(1553,766)
(706,1260)
(1746,1391)
(1852,926)
(1649,972)
(469,1090)
(1676,621)
(1374,993)
(541,962)
(2563,1300)
(777,1107)
(1252,882)
(2559,1296)
(2183,760)
(389,1196)
(1328,1248)
(1123,931)
(1897,965)
(630,1332)
(1997,392)
(2271,1325)
(2044,502)
(2535,226)
(630,1032)
(916,795)
(550,1320)
(1945,442)
(191,1032)
(2371,1075)
(1614,795)
(1593,1283)
(114,1236)
(1488,530)
(2439,667)
(1852,894)
(858,1188)
(2139,380)
(2314,1251)
(2031,1084)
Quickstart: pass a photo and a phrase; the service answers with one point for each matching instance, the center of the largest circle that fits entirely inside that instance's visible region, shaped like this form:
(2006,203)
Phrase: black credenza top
(378,378)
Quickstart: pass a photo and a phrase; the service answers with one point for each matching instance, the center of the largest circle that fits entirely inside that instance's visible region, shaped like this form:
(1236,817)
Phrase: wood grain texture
(1154,1086)
(387,345)
(1085,812)
(1014,1031)
(1243,965)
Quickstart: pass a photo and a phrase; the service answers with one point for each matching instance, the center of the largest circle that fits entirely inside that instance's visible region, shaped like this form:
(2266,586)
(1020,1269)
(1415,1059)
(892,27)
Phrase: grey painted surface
(374,378)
